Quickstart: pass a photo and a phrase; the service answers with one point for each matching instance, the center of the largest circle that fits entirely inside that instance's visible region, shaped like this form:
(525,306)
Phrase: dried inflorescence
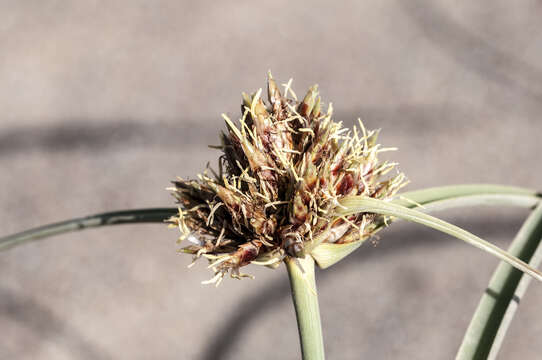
(281,175)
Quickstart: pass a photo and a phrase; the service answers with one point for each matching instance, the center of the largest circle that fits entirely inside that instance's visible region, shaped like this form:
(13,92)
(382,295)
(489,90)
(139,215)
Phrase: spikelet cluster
(283,169)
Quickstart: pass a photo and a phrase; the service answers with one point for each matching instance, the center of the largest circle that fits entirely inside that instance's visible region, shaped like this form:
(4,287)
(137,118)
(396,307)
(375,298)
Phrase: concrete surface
(103,102)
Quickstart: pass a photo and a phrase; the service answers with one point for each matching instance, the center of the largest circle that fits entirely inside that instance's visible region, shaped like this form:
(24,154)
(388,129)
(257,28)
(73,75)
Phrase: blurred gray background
(104,102)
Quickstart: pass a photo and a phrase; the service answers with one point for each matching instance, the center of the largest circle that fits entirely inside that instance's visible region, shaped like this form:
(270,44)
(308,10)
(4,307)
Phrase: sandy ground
(103,102)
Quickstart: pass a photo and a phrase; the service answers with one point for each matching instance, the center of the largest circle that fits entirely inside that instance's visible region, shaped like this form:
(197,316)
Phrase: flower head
(283,170)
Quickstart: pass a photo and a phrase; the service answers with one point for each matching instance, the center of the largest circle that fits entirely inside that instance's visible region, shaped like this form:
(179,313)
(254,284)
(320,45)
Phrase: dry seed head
(283,169)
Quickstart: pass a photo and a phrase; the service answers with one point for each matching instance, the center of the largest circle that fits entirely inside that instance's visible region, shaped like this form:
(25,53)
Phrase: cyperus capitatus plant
(283,170)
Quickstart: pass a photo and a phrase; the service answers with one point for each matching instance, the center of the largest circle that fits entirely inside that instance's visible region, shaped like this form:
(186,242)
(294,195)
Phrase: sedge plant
(295,187)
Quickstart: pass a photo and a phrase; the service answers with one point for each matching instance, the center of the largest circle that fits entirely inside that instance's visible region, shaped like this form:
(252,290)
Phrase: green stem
(303,285)
(110,218)
(501,298)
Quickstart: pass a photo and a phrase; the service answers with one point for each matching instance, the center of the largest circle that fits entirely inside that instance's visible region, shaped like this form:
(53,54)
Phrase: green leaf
(327,254)
(109,218)
(437,198)
(499,302)
(357,204)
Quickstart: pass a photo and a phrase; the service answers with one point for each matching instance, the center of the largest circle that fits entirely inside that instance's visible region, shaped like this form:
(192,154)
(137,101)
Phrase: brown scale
(246,253)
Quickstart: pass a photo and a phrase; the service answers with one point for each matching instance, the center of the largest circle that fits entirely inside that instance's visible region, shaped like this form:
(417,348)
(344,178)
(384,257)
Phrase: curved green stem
(303,285)
(501,298)
(154,215)
(433,199)
(358,204)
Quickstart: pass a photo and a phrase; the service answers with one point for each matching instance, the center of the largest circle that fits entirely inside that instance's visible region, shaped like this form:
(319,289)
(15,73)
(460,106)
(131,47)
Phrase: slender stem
(154,215)
(303,285)
(501,298)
